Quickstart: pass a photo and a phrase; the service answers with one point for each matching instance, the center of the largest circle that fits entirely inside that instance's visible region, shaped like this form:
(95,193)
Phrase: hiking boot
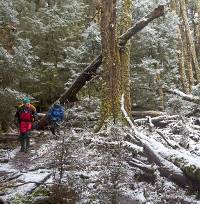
(22,150)
(52,130)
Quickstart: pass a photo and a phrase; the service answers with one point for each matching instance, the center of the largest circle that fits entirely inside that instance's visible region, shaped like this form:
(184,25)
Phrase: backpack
(25,115)
(57,113)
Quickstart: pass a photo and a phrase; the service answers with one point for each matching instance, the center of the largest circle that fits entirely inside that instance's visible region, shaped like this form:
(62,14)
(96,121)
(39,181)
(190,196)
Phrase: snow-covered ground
(96,166)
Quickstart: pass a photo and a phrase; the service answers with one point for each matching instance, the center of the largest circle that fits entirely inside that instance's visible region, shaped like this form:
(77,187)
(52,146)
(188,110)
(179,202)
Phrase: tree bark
(39,4)
(181,54)
(125,23)
(198,29)
(110,102)
(183,60)
(159,85)
(190,39)
(6,37)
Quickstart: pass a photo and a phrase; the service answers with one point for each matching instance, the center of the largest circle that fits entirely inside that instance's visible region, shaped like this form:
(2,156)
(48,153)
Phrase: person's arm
(49,112)
(63,112)
(35,115)
(17,118)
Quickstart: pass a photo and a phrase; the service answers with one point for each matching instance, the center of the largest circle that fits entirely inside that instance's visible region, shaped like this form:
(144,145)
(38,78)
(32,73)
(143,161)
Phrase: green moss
(41,191)
(19,199)
(192,172)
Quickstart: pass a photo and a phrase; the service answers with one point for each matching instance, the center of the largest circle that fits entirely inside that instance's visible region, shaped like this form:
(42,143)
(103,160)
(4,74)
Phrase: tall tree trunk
(39,4)
(125,23)
(4,125)
(182,63)
(188,62)
(160,89)
(190,39)
(110,104)
(181,56)
(198,29)
(51,3)
(6,37)
(189,80)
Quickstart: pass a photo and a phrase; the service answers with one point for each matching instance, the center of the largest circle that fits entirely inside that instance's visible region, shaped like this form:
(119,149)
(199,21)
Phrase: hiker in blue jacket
(55,115)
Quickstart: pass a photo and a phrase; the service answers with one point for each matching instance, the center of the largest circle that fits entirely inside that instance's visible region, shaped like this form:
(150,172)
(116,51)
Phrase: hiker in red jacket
(25,116)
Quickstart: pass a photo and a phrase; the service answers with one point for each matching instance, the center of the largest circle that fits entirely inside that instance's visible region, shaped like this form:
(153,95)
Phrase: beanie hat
(26,100)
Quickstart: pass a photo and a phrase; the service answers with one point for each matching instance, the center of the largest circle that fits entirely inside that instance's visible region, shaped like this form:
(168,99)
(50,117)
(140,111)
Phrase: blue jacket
(56,113)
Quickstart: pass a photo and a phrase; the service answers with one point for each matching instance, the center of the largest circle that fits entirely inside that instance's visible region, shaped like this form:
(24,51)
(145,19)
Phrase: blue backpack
(57,113)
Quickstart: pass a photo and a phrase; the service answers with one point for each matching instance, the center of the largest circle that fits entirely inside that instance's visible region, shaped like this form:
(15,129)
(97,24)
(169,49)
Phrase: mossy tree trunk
(7,38)
(198,29)
(124,24)
(188,63)
(116,61)
(158,82)
(181,53)
(110,104)
(183,57)
(39,4)
(190,39)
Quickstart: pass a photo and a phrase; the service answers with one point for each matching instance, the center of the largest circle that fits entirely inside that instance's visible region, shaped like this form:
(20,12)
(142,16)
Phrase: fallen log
(38,184)
(132,147)
(9,137)
(156,120)
(142,114)
(196,127)
(4,137)
(187,97)
(165,167)
(138,164)
(186,161)
(174,146)
(10,178)
(86,75)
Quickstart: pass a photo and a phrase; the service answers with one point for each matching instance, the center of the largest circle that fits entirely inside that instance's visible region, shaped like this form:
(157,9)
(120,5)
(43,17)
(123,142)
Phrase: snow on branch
(187,97)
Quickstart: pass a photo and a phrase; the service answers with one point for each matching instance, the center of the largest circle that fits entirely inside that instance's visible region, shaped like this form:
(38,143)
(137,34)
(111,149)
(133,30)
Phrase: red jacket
(25,117)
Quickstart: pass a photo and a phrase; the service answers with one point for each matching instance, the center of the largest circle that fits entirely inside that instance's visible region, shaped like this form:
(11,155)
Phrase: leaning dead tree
(70,94)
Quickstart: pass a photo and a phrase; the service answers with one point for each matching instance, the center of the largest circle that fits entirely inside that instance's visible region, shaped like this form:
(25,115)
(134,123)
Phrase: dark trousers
(24,141)
(53,127)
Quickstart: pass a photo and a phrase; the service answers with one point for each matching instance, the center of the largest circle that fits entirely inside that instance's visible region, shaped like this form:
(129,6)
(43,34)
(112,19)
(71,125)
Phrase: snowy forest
(127,75)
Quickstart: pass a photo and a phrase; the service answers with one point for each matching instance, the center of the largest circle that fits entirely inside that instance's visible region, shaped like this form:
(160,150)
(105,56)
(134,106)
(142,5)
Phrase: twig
(162,135)
(29,182)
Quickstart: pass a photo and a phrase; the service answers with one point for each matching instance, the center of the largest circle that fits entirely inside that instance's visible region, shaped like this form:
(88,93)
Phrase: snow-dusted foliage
(7,11)
(40,48)
(155,52)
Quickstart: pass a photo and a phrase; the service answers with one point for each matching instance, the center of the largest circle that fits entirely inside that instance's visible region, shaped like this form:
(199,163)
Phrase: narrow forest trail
(24,172)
